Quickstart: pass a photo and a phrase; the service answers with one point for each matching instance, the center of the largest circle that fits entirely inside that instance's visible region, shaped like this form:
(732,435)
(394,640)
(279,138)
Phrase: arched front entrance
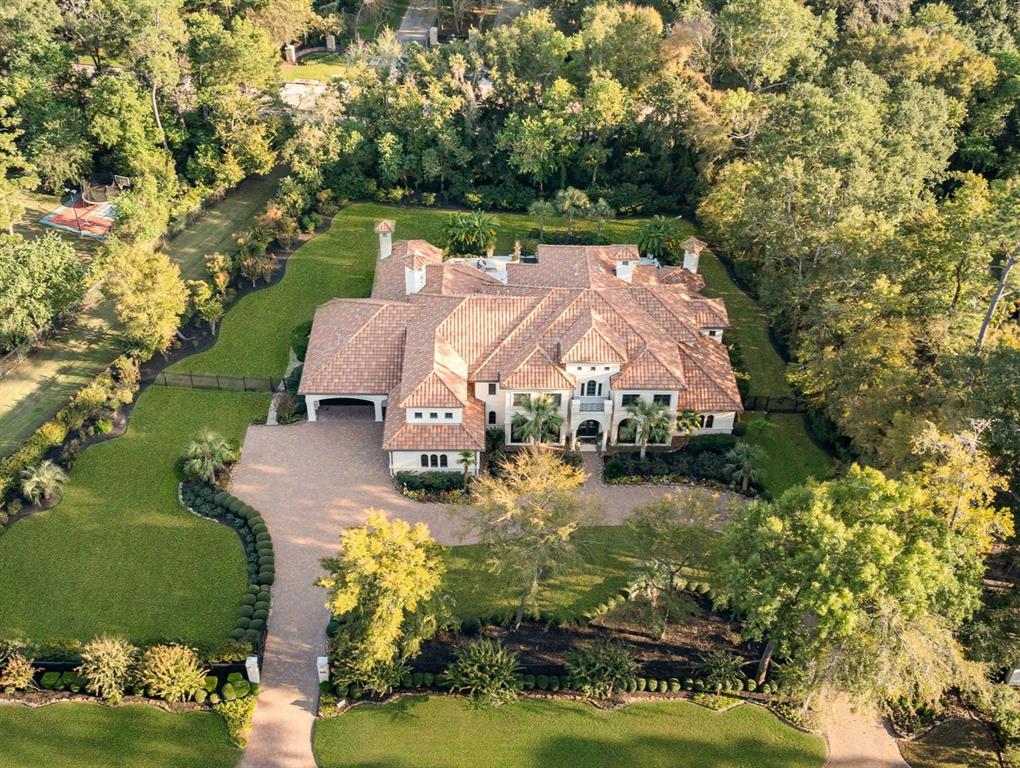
(626,433)
(588,431)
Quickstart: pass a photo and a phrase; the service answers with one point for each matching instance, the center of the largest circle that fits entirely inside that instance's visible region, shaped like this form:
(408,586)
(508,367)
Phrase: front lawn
(86,735)
(956,743)
(607,561)
(533,733)
(792,456)
(315,66)
(119,554)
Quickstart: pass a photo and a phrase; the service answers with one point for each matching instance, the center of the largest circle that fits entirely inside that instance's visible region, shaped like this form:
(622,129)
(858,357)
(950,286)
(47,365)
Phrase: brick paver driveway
(310,481)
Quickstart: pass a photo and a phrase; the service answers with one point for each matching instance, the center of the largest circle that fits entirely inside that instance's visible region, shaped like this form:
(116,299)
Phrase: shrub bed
(702,460)
(431,486)
(253,612)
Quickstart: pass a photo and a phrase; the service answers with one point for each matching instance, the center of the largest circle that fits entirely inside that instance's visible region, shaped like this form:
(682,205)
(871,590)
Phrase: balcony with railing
(590,405)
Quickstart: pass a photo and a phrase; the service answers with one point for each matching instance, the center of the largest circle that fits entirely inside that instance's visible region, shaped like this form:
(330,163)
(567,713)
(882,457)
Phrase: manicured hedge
(431,482)
(702,459)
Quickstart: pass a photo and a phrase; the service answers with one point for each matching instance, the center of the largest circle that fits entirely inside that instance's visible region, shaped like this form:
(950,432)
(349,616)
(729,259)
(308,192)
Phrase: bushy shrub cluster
(486,670)
(702,459)
(171,672)
(253,614)
(109,390)
(551,683)
(237,714)
(17,671)
(600,668)
(429,486)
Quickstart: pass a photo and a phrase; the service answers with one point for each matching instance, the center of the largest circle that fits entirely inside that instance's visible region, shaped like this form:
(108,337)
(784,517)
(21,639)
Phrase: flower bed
(253,615)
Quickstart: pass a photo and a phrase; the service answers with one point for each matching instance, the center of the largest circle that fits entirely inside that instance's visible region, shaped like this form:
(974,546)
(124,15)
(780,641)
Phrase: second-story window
(662,400)
(626,400)
(448,415)
(492,389)
(590,388)
(433,415)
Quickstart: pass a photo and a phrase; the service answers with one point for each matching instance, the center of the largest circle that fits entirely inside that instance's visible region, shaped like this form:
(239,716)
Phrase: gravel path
(858,739)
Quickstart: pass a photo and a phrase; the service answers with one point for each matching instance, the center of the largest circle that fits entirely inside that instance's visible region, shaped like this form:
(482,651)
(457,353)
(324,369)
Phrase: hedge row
(112,388)
(702,459)
(253,614)
(431,482)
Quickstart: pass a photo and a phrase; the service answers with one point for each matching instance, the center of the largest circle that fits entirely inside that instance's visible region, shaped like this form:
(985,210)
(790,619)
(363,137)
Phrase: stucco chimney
(414,279)
(692,253)
(625,270)
(385,229)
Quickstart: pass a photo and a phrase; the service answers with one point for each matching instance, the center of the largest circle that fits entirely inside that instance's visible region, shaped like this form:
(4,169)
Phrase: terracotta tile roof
(427,350)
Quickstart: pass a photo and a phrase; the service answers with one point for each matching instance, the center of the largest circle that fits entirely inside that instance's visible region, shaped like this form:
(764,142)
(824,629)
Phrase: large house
(445,350)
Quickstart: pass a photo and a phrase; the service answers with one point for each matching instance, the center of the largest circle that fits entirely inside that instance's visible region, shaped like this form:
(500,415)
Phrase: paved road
(414,26)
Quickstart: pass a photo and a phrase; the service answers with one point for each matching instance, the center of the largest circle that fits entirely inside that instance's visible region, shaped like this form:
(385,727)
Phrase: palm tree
(42,482)
(744,461)
(600,212)
(650,419)
(470,233)
(687,422)
(540,417)
(207,455)
(571,203)
(660,238)
(467,460)
(541,210)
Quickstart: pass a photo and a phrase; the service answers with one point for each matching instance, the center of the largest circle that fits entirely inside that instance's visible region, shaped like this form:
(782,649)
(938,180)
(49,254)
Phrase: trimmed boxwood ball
(262,605)
(227,692)
(699,685)
(632,685)
(237,634)
(242,688)
(248,599)
(201,696)
(354,691)
(340,690)
(428,679)
(261,614)
(642,684)
(542,682)
(750,684)
(267,578)
(254,589)
(261,537)
(221,497)
(674,685)
(50,680)
(211,683)
(243,622)
(235,677)
(663,686)
(247,610)
(257,624)
(529,682)
(688,684)
(263,597)
(554,683)
(214,698)
(653,686)
(251,636)
(259,528)
(235,505)
(417,679)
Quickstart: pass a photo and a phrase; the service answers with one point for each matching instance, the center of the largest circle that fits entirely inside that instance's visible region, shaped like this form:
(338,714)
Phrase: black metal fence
(775,404)
(207,381)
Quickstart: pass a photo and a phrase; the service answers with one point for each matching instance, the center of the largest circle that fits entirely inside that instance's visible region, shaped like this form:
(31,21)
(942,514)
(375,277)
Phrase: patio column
(312,404)
(378,409)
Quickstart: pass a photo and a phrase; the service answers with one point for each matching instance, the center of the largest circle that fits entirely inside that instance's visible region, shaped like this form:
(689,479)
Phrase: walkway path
(310,481)
(414,26)
(858,739)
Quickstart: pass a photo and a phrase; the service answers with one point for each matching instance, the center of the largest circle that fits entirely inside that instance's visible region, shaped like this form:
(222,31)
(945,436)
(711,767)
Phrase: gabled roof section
(388,283)
(647,371)
(536,370)
(591,339)
(445,386)
(401,435)
(711,385)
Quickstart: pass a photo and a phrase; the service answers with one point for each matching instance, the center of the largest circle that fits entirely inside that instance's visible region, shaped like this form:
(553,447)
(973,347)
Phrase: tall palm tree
(42,482)
(539,417)
(571,203)
(541,210)
(650,419)
(744,462)
(660,238)
(467,460)
(207,455)
(601,211)
(470,233)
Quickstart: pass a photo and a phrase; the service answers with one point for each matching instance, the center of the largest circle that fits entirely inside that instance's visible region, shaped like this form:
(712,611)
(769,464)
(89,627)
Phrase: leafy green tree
(383,586)
(208,455)
(107,666)
(487,671)
(42,482)
(15,171)
(528,519)
(149,294)
(207,304)
(470,233)
(744,462)
(654,422)
(537,420)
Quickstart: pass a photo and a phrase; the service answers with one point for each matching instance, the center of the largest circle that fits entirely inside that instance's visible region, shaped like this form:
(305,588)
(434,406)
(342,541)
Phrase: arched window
(492,417)
(424,459)
(591,388)
(434,460)
(442,460)
(708,421)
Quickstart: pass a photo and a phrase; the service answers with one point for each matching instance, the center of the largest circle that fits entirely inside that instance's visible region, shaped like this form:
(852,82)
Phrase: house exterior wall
(410,461)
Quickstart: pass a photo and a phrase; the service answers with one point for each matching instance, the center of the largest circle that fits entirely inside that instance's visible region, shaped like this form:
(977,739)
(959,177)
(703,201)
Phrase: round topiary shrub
(750,685)
(340,690)
(674,685)
(221,497)
(252,636)
(262,605)
(201,696)
(211,683)
(235,505)
(241,688)
(214,698)
(237,634)
(267,563)
(254,589)
(248,599)
(528,681)
(263,597)
(542,682)
(632,685)
(257,624)
(354,691)
(653,686)
(642,684)
(227,692)
(699,685)
(243,622)
(261,537)
(267,578)
(554,683)
(261,613)
(428,679)
(470,626)
(259,528)
(246,610)
(688,684)
(405,680)
(417,679)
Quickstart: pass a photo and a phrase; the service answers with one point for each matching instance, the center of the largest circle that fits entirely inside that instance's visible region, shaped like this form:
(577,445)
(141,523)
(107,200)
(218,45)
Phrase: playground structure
(90,212)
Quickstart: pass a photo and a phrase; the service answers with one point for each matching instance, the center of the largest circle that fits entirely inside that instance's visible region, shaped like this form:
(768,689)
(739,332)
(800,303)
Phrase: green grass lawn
(955,743)
(89,736)
(419,732)
(792,456)
(119,554)
(369,30)
(607,561)
(215,231)
(315,66)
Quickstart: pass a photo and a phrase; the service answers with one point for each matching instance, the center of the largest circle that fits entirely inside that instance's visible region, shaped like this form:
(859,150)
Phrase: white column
(378,410)
(311,403)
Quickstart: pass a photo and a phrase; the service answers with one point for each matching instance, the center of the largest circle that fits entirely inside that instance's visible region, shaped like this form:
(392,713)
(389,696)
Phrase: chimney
(414,279)
(625,270)
(692,253)
(385,229)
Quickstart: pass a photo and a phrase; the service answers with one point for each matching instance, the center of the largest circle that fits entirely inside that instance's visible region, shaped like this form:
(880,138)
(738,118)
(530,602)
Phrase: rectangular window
(433,415)
(557,399)
(662,399)
(519,399)
(628,399)
(492,389)
(417,414)
(448,415)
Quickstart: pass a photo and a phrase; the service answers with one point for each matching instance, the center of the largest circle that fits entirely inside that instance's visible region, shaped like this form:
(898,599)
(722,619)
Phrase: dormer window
(433,415)
(417,414)
(448,415)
